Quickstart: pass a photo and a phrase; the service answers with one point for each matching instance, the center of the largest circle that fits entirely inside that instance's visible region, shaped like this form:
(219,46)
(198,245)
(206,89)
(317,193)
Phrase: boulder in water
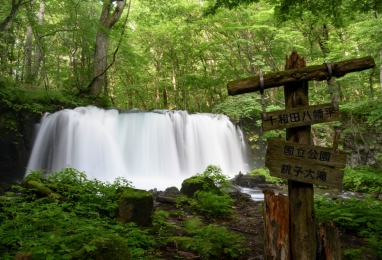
(249,181)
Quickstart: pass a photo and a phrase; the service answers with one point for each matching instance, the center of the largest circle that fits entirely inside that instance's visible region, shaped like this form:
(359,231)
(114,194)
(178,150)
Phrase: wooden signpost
(305,163)
(295,159)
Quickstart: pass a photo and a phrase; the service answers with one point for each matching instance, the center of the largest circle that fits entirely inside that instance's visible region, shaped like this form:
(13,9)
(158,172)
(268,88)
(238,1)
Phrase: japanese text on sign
(301,116)
(307,153)
(299,171)
(305,163)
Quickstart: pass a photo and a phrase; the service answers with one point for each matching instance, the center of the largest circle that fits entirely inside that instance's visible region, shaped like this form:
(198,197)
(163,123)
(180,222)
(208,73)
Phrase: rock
(15,142)
(4,187)
(248,181)
(109,247)
(135,206)
(195,183)
(163,199)
(269,186)
(171,192)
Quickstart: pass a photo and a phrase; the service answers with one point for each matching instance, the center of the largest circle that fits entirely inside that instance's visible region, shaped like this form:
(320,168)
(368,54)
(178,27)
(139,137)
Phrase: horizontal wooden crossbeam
(314,72)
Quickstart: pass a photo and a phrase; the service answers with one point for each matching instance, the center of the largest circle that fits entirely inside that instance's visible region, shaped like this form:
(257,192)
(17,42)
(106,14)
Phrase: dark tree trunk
(15,6)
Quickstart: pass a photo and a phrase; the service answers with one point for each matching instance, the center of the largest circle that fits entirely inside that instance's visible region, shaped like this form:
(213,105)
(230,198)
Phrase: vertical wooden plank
(276,226)
(301,205)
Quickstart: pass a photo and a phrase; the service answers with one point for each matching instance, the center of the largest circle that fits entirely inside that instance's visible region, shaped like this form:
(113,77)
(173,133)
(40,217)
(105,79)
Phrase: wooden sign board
(305,163)
(300,116)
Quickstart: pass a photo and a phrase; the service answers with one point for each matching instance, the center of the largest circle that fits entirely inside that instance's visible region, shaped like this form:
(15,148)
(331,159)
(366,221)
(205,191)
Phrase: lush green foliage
(213,200)
(19,97)
(362,179)
(239,107)
(215,174)
(356,216)
(54,228)
(210,242)
(212,204)
(161,227)
(268,177)
(172,56)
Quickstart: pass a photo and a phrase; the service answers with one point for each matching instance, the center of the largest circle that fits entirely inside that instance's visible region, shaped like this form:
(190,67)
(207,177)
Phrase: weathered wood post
(295,159)
(301,205)
(276,226)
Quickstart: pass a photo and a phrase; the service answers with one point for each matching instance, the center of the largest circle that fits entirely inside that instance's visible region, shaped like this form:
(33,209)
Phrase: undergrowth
(362,179)
(210,241)
(360,217)
(55,226)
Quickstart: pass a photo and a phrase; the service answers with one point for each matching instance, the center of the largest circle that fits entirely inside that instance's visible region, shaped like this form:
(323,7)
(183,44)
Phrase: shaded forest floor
(248,221)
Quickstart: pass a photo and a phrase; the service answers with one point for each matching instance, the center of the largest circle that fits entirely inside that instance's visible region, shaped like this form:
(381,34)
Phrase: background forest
(181,54)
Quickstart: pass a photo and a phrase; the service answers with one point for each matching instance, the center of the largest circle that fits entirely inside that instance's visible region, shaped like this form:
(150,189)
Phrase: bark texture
(107,21)
(329,246)
(297,74)
(276,226)
(301,206)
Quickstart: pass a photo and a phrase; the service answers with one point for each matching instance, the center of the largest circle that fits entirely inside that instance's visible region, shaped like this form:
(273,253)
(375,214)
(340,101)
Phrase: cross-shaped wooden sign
(295,159)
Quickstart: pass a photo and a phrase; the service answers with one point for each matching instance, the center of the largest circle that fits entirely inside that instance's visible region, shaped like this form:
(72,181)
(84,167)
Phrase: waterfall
(156,149)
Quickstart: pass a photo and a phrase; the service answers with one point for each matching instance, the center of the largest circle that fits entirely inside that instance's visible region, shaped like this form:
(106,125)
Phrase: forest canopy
(180,54)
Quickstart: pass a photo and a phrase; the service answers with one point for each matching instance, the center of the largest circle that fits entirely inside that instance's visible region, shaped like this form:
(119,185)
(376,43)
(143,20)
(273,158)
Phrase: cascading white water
(155,149)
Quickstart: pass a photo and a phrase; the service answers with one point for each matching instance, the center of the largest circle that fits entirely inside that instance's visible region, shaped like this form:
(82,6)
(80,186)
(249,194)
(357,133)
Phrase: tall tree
(15,5)
(107,21)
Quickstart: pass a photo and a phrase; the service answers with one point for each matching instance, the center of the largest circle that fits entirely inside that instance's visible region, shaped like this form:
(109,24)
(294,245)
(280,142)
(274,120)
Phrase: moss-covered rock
(135,206)
(109,247)
(195,183)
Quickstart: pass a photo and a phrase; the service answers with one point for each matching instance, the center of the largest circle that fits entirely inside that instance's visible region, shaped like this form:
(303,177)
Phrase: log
(315,72)
(328,242)
(276,226)
(41,189)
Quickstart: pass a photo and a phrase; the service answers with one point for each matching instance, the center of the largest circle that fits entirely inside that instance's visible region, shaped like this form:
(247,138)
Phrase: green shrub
(375,246)
(352,215)
(362,179)
(54,227)
(352,254)
(268,177)
(214,173)
(206,202)
(211,198)
(210,242)
(161,227)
